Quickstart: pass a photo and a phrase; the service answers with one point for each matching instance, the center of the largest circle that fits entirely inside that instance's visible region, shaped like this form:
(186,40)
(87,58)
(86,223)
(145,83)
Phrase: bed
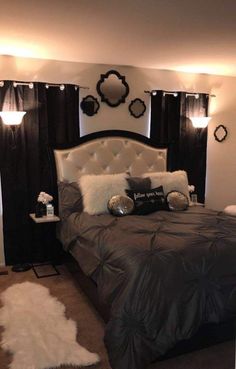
(159,280)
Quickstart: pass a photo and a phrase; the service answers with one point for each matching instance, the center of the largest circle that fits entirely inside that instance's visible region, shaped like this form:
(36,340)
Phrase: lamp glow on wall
(200,122)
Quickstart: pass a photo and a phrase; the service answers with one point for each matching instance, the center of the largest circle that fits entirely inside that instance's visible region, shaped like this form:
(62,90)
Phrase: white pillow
(97,190)
(230,210)
(171,181)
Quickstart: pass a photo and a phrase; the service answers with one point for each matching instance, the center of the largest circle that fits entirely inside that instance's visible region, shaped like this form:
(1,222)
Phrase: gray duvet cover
(164,274)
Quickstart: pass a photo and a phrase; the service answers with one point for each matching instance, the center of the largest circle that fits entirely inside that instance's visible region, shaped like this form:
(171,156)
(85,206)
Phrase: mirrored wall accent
(137,108)
(113,88)
(220,133)
(90,105)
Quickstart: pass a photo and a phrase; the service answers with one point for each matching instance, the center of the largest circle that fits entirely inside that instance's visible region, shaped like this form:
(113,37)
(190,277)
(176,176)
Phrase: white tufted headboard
(108,155)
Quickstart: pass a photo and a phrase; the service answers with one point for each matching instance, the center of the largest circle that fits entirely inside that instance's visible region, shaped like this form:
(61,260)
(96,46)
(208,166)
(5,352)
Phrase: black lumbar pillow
(146,202)
(120,205)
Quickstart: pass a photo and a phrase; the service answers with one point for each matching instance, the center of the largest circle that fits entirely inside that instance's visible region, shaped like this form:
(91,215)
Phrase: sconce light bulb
(154,93)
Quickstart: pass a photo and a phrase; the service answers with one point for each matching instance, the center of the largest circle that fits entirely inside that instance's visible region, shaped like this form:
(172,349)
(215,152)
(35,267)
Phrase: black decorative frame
(103,97)
(131,105)
(221,126)
(84,108)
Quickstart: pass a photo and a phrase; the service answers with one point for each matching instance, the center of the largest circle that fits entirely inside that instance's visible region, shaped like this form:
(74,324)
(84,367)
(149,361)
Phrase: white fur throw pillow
(171,181)
(97,190)
(230,210)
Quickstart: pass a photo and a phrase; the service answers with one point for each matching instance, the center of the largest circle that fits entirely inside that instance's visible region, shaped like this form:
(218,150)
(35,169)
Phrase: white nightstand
(44,265)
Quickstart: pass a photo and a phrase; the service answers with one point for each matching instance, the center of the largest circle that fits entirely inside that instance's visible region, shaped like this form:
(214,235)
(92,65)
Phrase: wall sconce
(12,118)
(200,122)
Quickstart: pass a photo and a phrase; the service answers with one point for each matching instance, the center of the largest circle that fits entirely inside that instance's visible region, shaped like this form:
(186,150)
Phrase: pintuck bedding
(164,275)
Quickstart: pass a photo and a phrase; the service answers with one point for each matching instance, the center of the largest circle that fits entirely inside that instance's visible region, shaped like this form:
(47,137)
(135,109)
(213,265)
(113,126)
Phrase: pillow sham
(69,199)
(97,189)
(146,202)
(139,183)
(171,181)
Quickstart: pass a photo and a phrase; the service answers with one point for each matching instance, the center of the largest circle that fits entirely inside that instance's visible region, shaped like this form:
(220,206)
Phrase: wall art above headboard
(137,108)
(90,105)
(113,88)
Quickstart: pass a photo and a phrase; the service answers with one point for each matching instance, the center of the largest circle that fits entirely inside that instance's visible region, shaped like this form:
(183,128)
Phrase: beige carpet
(91,326)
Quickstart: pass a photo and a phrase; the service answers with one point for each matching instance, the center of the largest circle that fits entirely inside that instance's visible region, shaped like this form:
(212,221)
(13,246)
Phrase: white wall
(221,165)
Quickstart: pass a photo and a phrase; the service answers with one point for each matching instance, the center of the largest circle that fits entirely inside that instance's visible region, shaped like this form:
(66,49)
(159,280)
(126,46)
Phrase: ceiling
(184,35)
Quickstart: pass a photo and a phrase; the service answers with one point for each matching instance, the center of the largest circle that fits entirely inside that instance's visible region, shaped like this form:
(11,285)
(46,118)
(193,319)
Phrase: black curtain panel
(165,123)
(170,124)
(58,124)
(193,141)
(52,118)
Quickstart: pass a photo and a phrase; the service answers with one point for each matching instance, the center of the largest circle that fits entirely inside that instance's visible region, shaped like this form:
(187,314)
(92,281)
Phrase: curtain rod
(47,85)
(176,93)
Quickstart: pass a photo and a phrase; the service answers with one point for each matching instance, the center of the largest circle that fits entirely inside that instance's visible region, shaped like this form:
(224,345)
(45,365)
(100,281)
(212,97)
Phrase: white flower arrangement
(191,188)
(44,197)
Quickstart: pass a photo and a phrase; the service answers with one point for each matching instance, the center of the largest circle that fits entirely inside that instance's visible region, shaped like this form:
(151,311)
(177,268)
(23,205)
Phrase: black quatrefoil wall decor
(89,105)
(113,88)
(220,133)
(137,108)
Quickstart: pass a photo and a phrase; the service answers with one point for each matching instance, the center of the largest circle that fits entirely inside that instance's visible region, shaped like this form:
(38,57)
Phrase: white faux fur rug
(37,332)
